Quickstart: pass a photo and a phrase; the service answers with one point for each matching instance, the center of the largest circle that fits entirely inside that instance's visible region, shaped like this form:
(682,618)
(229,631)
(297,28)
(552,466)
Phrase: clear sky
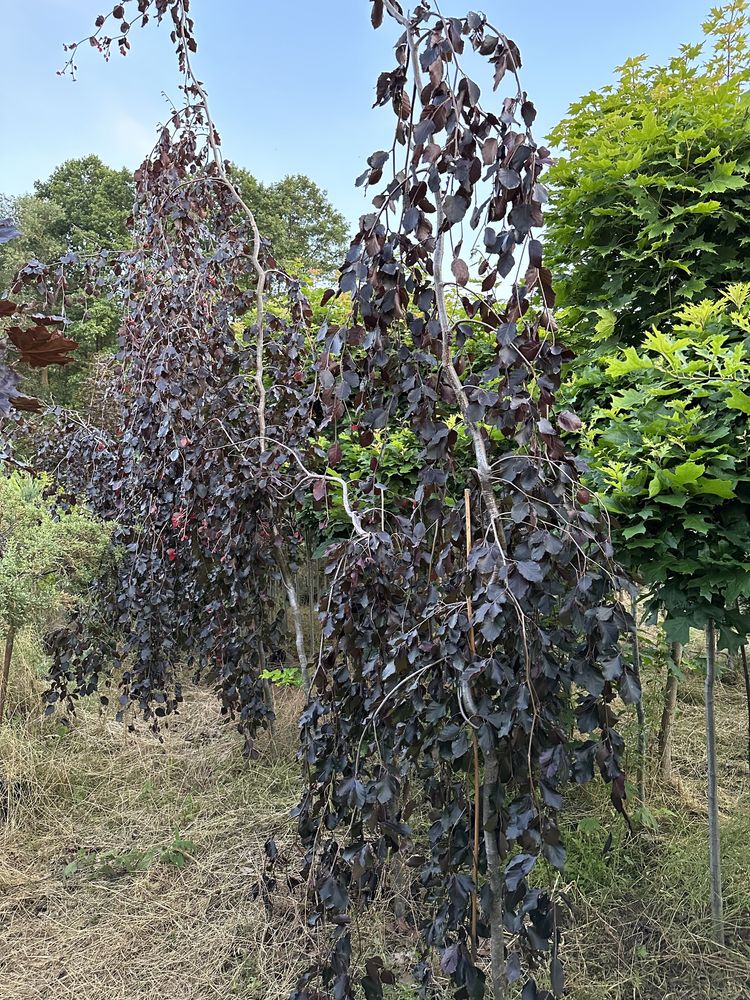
(291,81)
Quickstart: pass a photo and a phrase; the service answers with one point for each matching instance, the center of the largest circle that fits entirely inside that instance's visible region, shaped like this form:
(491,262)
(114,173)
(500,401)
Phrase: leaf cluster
(669,454)
(651,203)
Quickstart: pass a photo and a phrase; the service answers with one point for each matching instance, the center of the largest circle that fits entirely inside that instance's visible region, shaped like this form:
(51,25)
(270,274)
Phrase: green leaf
(688,472)
(738,400)
(716,487)
(707,157)
(637,529)
(672,499)
(606,325)
(707,207)
(695,522)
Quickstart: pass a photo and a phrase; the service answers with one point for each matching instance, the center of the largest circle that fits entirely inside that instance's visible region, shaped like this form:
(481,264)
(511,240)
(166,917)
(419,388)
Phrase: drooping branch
(429,657)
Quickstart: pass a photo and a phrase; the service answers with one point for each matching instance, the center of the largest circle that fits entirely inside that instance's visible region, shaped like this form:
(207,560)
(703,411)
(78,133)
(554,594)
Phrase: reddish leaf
(26,403)
(320,489)
(40,347)
(489,151)
(569,421)
(436,72)
(460,271)
(528,113)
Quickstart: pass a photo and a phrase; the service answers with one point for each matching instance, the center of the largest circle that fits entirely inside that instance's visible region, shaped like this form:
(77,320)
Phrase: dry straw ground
(130,867)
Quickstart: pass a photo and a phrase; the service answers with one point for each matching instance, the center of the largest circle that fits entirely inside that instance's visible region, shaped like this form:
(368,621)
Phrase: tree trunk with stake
(7,657)
(746,672)
(311,598)
(287,580)
(668,713)
(714,843)
(639,711)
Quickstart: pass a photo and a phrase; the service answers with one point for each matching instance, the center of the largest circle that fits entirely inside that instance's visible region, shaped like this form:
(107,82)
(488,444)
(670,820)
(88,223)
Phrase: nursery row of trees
(424,431)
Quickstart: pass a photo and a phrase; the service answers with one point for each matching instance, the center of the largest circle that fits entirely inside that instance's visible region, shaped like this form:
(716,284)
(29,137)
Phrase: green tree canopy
(671,457)
(299,220)
(37,221)
(48,559)
(96,202)
(650,204)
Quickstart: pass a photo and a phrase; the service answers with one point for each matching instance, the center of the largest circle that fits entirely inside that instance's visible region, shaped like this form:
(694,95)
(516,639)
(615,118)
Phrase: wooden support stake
(473,649)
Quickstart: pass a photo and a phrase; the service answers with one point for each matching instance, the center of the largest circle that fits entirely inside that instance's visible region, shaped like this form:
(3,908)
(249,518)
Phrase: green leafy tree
(299,220)
(651,211)
(671,457)
(48,558)
(37,220)
(650,203)
(96,202)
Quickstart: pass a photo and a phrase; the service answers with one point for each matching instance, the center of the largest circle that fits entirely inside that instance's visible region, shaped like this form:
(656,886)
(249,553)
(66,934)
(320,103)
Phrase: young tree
(650,209)
(48,559)
(671,457)
(444,689)
(210,417)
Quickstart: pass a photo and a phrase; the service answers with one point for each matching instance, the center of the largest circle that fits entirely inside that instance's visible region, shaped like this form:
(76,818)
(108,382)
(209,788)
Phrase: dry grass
(80,920)
(103,795)
(643,919)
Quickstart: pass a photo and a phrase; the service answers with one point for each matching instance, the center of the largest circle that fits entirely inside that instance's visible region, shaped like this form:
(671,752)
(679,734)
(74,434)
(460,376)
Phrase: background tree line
(84,207)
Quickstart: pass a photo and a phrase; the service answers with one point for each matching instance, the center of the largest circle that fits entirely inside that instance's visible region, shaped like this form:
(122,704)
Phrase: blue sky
(291,81)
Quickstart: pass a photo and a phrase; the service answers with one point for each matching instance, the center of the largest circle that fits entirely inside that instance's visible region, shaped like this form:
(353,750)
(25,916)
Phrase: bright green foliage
(37,220)
(116,863)
(650,203)
(671,459)
(96,202)
(83,206)
(299,220)
(48,557)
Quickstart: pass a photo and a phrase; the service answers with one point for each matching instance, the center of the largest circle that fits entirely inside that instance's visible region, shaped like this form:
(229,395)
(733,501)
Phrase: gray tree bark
(10,638)
(714,841)
(668,714)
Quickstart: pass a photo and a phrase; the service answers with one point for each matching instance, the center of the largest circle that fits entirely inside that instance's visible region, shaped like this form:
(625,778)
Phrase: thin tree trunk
(668,714)
(299,633)
(7,657)
(267,686)
(714,843)
(311,601)
(639,711)
(498,979)
(746,672)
